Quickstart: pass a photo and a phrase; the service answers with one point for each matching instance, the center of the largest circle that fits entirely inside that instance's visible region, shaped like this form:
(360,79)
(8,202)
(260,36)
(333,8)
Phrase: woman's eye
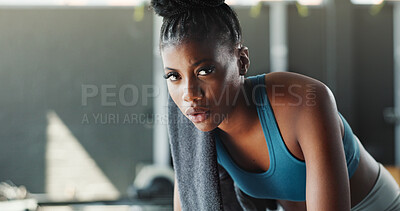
(206,71)
(172,76)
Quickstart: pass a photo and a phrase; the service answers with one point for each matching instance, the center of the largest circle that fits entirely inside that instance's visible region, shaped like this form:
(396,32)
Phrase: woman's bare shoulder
(290,78)
(301,103)
(294,90)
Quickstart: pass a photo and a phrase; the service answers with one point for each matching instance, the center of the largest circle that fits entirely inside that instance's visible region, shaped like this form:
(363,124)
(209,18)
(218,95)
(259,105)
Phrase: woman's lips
(197,114)
(199,117)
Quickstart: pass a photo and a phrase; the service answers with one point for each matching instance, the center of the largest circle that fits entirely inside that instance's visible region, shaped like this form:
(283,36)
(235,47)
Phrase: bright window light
(367,2)
(241,2)
(310,2)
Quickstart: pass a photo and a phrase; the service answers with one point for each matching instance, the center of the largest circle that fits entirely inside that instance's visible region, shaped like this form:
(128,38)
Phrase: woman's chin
(204,126)
(205,129)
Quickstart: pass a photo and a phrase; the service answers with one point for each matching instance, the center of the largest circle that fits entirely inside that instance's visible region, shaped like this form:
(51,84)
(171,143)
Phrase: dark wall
(363,66)
(306,42)
(256,38)
(46,56)
(373,41)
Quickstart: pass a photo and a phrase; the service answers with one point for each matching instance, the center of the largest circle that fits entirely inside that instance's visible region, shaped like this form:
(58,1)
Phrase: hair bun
(168,8)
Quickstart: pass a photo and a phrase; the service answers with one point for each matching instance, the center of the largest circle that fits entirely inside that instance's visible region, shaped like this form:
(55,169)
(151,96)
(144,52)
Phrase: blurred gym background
(82,119)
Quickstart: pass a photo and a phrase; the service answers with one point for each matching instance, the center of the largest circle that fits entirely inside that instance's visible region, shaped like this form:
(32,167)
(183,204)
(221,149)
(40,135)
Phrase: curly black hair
(200,20)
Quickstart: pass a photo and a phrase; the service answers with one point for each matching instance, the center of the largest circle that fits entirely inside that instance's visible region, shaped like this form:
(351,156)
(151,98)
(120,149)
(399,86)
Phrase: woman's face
(203,81)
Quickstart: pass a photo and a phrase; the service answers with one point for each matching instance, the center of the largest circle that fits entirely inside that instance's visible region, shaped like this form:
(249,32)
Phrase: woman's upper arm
(319,136)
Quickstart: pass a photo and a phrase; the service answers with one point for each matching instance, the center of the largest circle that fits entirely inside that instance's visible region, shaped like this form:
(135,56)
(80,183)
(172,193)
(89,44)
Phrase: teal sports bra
(285,178)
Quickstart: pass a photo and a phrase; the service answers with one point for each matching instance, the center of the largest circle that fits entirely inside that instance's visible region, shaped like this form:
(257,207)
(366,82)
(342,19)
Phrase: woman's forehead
(196,49)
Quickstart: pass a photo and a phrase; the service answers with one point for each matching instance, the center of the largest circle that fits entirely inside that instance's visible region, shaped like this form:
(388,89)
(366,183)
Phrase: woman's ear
(243,60)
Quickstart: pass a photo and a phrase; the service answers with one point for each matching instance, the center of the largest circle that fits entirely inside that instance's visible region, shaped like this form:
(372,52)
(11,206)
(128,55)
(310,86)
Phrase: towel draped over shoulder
(203,184)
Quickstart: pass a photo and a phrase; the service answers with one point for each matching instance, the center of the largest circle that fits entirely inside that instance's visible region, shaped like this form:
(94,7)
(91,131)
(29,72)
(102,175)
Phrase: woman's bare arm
(318,133)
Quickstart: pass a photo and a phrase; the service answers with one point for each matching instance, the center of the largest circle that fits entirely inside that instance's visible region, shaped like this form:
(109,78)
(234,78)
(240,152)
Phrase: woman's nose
(192,94)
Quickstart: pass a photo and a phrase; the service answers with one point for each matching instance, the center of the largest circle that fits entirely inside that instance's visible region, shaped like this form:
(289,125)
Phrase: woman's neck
(240,120)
